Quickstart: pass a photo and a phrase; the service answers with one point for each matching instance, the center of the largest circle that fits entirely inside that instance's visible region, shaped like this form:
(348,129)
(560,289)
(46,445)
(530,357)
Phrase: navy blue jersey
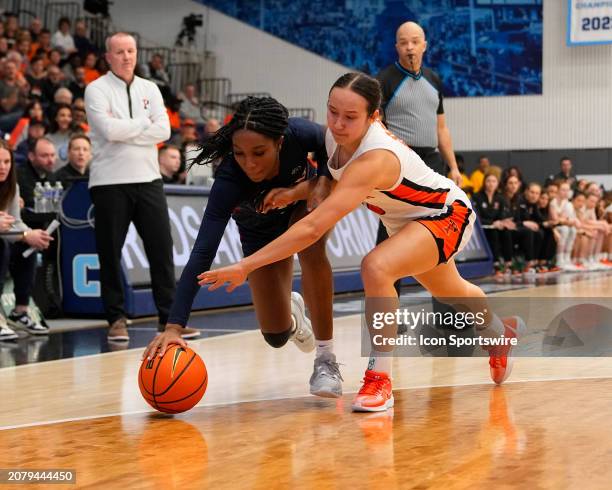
(234,194)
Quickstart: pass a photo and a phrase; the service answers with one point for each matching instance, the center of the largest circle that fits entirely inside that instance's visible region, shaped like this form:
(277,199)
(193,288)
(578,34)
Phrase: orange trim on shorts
(448,229)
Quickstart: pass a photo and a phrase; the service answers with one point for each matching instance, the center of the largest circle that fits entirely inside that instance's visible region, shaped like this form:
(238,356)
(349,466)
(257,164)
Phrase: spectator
(36,130)
(22,269)
(62,39)
(466,183)
(60,132)
(79,157)
(55,58)
(62,96)
(600,230)
(77,86)
(533,220)
(581,185)
(211,127)
(169,163)
(33,111)
(125,183)
(477,176)
(79,116)
(187,134)
(36,73)
(522,235)
(584,236)
(81,40)
(492,209)
(38,168)
(12,79)
(11,26)
(594,188)
(89,65)
(74,61)
(43,45)
(24,45)
(36,27)
(51,83)
(565,174)
(550,236)
(186,140)
(10,110)
(508,172)
(562,212)
(190,105)
(157,73)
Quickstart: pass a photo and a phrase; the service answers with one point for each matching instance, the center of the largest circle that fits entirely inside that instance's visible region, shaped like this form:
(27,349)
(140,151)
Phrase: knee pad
(277,340)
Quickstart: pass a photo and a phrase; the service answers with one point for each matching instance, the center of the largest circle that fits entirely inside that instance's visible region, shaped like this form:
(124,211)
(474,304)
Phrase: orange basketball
(175,382)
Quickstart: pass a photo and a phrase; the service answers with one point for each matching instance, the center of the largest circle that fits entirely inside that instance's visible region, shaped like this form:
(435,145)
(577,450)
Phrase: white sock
(324,346)
(381,362)
(560,260)
(293,324)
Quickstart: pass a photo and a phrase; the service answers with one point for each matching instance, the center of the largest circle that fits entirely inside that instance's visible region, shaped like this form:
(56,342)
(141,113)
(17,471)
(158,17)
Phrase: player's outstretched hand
(234,275)
(158,346)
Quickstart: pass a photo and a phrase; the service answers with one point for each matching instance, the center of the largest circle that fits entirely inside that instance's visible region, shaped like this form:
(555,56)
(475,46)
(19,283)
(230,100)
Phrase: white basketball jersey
(418,192)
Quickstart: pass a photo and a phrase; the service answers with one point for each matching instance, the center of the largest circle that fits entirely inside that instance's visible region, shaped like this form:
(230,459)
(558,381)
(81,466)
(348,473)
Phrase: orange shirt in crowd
(91,74)
(175,119)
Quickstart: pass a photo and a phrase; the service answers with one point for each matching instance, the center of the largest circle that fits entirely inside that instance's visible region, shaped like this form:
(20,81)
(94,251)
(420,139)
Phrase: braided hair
(263,115)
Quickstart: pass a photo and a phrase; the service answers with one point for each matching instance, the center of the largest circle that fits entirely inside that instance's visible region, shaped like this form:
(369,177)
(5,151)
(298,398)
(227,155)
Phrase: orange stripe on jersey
(418,195)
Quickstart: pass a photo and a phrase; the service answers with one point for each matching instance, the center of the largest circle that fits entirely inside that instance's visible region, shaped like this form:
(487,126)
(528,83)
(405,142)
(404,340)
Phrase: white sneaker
(6,333)
(302,336)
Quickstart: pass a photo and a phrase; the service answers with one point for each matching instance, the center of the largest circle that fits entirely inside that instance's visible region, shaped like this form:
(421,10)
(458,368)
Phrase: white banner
(589,22)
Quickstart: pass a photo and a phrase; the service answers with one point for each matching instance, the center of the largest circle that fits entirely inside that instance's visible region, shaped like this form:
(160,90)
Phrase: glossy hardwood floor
(256,428)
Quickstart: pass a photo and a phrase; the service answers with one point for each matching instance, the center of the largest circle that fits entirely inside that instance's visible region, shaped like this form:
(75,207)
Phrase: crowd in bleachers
(43,128)
(560,224)
(43,76)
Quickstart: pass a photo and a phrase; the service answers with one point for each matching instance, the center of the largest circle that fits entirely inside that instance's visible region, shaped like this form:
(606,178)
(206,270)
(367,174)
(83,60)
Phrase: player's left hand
(456,177)
(234,275)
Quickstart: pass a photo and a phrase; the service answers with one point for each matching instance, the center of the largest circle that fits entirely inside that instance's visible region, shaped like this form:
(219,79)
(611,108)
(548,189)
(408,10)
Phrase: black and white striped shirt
(411,104)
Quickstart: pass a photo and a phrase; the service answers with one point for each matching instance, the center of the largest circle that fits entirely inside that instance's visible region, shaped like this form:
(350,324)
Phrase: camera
(193,20)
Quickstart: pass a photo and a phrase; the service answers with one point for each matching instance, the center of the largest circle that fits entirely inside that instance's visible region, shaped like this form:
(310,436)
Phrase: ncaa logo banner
(589,22)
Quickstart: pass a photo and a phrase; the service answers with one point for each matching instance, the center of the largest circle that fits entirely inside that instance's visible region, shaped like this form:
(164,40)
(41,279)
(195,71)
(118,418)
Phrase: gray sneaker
(303,336)
(326,380)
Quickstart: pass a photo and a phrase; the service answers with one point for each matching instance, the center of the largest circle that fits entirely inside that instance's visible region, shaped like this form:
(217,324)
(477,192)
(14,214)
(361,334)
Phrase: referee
(412,102)
(412,107)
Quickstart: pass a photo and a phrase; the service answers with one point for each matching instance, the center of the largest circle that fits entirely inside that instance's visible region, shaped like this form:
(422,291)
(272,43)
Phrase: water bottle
(38,195)
(47,201)
(58,190)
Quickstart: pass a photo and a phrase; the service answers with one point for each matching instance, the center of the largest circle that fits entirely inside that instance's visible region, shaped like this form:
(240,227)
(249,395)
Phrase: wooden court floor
(257,428)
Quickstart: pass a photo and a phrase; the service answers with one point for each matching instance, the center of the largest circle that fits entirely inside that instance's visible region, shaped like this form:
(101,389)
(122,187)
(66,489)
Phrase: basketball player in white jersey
(429,220)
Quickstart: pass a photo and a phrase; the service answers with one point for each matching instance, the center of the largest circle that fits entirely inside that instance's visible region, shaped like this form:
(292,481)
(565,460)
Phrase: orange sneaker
(500,358)
(376,394)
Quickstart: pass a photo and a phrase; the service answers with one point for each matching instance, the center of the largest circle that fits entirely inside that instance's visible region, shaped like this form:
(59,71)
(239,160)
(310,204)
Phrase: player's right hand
(158,346)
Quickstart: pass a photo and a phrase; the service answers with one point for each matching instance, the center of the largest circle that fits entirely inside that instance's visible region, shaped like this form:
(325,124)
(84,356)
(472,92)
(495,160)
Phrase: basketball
(175,382)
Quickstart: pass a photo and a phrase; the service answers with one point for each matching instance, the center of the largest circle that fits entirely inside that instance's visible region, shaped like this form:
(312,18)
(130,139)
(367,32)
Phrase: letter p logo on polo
(82,286)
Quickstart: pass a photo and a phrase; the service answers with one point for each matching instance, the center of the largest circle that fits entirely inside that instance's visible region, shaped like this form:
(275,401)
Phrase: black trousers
(526,240)
(22,270)
(145,205)
(548,245)
(500,242)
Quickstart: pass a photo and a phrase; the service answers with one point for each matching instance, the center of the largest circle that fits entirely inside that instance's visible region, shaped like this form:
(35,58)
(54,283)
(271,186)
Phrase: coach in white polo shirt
(127,118)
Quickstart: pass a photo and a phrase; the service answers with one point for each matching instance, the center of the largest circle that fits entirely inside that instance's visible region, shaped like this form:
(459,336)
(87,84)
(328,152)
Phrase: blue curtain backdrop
(479,47)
